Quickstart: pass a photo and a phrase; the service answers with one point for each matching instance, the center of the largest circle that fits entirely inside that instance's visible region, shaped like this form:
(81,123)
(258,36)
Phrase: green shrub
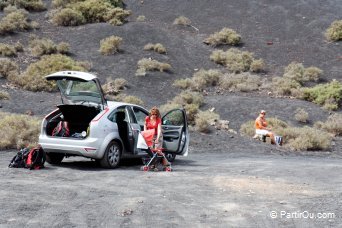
(110,45)
(190,101)
(146,64)
(181,20)
(301,115)
(243,82)
(75,12)
(114,87)
(205,119)
(332,125)
(235,60)
(141,18)
(30,5)
(33,78)
(117,16)
(328,94)
(158,47)
(187,97)
(4,95)
(17,131)
(225,36)
(68,17)
(8,68)
(286,87)
(334,32)
(305,138)
(15,21)
(296,71)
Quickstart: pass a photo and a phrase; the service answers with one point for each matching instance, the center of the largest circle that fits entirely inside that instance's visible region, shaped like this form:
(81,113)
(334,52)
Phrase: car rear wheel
(54,158)
(112,156)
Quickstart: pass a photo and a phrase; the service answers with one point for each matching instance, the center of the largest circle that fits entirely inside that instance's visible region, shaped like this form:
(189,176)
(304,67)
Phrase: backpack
(35,158)
(62,129)
(19,160)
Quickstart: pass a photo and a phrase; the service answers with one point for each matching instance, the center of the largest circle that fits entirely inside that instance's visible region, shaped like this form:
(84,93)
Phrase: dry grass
(296,71)
(16,21)
(181,20)
(126,98)
(301,115)
(295,138)
(30,5)
(244,82)
(205,120)
(4,95)
(334,32)
(110,45)
(7,50)
(33,78)
(200,80)
(8,68)
(146,64)
(114,87)
(328,95)
(226,36)
(237,61)
(158,47)
(183,83)
(45,46)
(332,125)
(18,131)
(141,18)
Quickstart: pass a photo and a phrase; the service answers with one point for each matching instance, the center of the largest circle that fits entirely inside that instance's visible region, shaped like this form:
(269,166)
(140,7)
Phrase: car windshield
(73,91)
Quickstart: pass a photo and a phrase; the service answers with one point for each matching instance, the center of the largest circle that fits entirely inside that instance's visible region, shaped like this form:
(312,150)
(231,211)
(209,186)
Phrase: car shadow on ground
(125,164)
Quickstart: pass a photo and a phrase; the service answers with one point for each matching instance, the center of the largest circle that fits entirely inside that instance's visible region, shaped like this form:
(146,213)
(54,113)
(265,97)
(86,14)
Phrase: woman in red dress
(153,121)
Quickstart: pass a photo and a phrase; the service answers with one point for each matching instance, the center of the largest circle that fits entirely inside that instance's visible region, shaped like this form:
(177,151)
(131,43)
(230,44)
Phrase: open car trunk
(78,117)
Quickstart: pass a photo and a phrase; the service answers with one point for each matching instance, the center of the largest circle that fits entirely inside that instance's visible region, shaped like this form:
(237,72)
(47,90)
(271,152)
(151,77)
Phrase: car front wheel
(54,158)
(170,157)
(112,156)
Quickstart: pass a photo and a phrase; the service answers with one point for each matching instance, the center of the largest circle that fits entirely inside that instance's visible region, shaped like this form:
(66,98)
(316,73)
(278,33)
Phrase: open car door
(175,132)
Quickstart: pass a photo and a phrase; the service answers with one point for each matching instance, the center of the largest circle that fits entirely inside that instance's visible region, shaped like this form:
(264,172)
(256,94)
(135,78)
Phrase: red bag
(148,136)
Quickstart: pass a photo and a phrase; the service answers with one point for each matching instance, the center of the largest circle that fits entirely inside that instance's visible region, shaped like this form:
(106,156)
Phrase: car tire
(112,156)
(54,158)
(170,157)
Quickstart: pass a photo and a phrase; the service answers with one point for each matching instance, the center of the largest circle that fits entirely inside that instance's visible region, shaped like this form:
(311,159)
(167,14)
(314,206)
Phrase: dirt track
(205,190)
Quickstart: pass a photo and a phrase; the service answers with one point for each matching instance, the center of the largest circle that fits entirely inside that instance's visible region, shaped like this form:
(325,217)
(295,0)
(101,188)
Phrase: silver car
(103,130)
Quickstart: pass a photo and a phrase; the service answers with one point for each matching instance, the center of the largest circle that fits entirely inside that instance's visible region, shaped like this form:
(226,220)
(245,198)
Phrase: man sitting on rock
(261,127)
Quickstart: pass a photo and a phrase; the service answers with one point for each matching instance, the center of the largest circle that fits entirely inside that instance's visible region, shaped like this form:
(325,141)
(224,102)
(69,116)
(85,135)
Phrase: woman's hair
(154,110)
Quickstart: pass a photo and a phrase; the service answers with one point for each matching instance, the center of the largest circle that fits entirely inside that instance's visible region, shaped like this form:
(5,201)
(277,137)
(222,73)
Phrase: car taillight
(100,116)
(51,113)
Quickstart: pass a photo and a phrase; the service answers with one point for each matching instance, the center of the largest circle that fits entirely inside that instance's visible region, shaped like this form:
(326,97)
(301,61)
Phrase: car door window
(175,118)
(112,116)
(140,115)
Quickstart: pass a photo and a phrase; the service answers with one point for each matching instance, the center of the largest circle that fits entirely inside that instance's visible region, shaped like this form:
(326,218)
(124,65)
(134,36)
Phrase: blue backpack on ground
(19,160)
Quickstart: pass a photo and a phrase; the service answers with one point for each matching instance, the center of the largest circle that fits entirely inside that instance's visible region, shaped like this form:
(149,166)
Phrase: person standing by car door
(153,122)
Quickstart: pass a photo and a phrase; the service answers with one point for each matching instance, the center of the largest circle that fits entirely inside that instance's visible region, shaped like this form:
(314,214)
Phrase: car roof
(115,104)
(72,74)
